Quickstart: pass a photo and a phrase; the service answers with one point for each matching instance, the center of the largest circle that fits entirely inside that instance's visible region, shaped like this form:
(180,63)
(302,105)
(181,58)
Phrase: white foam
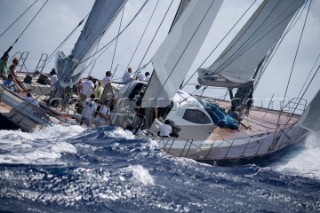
(153,144)
(41,147)
(59,131)
(119,132)
(305,163)
(141,175)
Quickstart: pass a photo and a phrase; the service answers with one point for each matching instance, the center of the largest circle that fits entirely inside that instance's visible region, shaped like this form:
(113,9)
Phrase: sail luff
(177,53)
(101,16)
(238,62)
(182,6)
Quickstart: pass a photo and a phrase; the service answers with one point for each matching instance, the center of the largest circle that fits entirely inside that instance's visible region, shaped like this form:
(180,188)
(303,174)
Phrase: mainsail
(70,68)
(176,54)
(310,119)
(237,64)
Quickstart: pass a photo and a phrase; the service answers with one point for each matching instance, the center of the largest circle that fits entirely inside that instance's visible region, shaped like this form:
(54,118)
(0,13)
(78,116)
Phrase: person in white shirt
(87,88)
(89,106)
(165,129)
(31,100)
(126,78)
(140,77)
(147,76)
(107,79)
(104,116)
(53,77)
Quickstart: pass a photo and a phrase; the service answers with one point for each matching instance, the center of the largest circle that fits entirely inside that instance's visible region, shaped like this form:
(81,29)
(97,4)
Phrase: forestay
(176,54)
(238,62)
(101,16)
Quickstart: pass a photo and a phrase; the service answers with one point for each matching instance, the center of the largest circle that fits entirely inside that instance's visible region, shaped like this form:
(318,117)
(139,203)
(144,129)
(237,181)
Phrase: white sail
(101,16)
(182,6)
(310,119)
(238,62)
(176,54)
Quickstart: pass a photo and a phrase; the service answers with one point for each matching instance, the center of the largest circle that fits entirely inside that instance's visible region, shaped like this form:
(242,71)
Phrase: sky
(59,17)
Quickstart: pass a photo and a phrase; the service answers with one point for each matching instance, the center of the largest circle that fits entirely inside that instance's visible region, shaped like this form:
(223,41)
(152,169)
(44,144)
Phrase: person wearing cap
(4,66)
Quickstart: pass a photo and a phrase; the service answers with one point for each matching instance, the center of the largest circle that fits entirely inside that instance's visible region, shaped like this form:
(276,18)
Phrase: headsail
(176,54)
(101,16)
(182,6)
(310,119)
(238,62)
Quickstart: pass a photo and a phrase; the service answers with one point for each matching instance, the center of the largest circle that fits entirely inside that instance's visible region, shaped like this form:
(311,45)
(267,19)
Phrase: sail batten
(237,64)
(178,51)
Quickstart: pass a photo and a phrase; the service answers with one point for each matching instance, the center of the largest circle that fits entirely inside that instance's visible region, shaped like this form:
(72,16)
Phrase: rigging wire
(296,54)
(315,73)
(140,67)
(300,93)
(239,51)
(310,70)
(93,61)
(27,26)
(274,49)
(116,44)
(237,22)
(275,141)
(154,36)
(65,40)
(145,29)
(17,19)
(181,55)
(107,45)
(249,46)
(103,48)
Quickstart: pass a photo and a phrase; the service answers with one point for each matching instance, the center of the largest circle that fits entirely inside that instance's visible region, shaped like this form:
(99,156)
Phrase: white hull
(28,117)
(248,147)
(22,114)
(198,142)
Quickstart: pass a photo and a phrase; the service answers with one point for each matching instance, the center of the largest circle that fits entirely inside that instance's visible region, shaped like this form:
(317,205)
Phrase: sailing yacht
(207,129)
(211,129)
(69,70)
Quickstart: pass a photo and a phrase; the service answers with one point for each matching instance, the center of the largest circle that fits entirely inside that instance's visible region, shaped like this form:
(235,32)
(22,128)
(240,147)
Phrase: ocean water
(108,169)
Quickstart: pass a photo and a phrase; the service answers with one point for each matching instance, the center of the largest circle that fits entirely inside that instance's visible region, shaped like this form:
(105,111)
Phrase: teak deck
(259,120)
